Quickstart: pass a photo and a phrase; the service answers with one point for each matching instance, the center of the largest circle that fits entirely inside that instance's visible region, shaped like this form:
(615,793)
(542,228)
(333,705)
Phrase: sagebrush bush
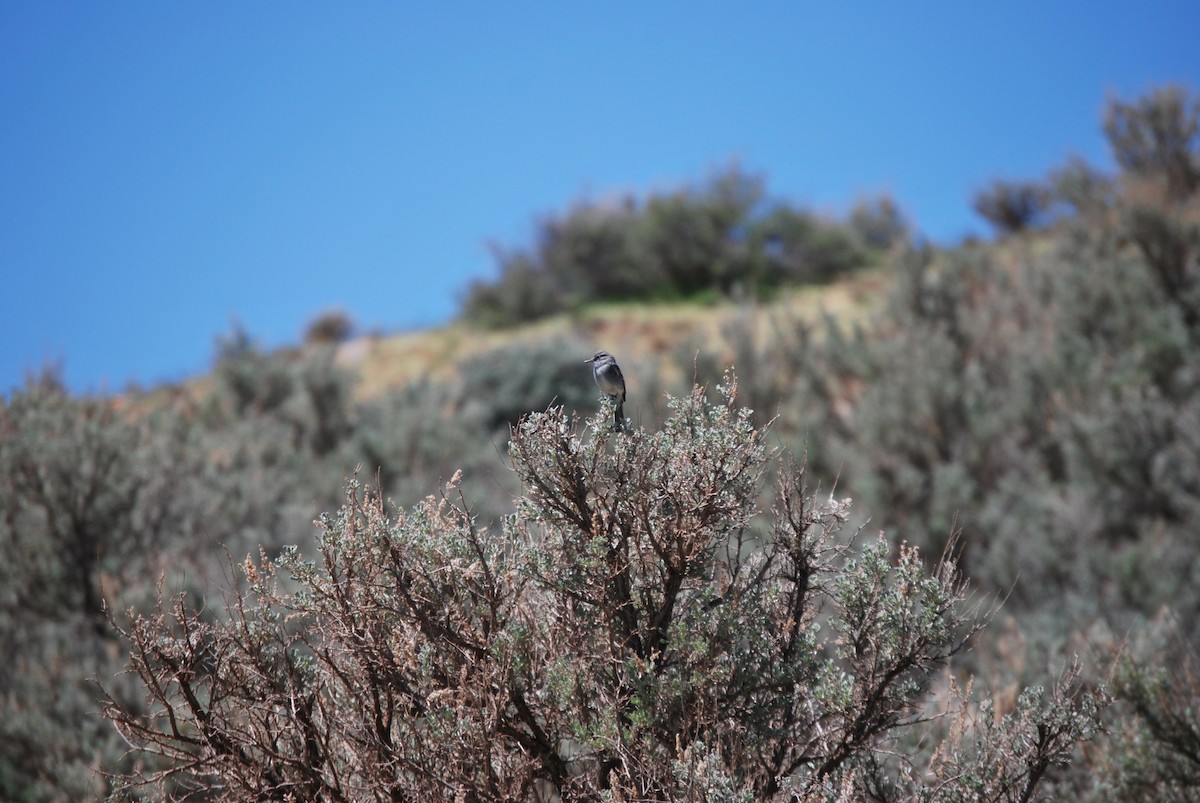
(500,385)
(101,498)
(92,498)
(1043,394)
(637,630)
(1155,754)
(1041,391)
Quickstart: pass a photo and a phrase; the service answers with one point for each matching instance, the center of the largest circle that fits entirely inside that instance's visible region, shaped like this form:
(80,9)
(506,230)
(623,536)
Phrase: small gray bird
(611,382)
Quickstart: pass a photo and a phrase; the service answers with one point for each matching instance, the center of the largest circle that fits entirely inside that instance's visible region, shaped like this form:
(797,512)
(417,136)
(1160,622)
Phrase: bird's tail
(619,417)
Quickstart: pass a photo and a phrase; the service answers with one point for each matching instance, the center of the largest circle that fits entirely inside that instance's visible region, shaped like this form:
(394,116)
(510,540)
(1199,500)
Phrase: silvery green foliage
(639,629)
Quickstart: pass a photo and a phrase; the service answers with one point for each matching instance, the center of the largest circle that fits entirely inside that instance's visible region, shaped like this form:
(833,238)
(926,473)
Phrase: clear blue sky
(168,167)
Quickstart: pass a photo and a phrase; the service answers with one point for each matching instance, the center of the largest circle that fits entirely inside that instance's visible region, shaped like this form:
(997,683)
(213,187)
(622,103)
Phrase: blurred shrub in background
(331,327)
(722,238)
(1013,207)
(501,385)
(1042,393)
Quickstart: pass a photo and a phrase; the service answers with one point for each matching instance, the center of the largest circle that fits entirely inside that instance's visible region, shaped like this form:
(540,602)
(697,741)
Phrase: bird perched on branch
(611,382)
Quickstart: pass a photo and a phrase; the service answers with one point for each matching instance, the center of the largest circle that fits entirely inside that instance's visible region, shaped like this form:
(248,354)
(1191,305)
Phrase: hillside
(1032,400)
(643,333)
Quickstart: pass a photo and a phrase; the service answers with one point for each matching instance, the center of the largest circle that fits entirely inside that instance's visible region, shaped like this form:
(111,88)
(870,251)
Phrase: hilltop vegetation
(725,238)
(1038,393)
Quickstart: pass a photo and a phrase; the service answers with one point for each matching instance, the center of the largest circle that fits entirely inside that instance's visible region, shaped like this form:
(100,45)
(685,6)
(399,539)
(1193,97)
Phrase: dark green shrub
(1084,189)
(799,248)
(1012,207)
(328,328)
(522,293)
(719,238)
(1157,137)
(695,239)
(879,223)
(591,252)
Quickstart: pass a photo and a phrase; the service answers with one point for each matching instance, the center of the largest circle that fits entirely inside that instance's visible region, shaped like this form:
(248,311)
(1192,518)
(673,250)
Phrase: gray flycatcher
(611,382)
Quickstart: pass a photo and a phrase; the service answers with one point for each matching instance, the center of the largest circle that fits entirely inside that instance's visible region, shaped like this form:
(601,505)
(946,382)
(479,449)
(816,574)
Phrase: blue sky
(167,168)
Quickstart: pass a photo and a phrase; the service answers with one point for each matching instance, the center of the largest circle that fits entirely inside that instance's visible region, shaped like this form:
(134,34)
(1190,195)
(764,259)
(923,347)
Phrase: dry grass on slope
(638,333)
